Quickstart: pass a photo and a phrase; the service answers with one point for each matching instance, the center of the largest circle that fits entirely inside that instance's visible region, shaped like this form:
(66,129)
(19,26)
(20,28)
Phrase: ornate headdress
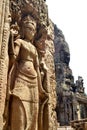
(35,8)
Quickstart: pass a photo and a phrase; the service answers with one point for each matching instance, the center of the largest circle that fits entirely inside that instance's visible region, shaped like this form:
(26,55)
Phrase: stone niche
(27,72)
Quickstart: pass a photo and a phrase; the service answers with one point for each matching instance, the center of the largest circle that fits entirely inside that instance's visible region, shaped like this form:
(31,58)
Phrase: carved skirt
(26,90)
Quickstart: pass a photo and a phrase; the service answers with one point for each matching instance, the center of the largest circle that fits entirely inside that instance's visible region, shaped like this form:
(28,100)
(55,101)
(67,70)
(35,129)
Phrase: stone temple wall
(4,37)
(71,97)
(12,14)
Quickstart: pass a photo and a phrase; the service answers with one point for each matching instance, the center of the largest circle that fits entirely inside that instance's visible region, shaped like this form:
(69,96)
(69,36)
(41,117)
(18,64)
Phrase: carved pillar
(4,36)
(66,110)
(74,107)
(52,84)
(78,112)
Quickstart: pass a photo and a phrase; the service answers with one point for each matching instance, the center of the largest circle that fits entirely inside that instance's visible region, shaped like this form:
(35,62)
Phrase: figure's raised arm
(14,52)
(14,44)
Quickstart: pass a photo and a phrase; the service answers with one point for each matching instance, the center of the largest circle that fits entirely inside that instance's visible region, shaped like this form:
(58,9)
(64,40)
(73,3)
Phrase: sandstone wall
(11,12)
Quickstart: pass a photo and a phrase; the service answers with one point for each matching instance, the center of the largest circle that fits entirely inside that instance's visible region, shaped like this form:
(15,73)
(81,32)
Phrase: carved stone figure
(27,76)
(71,98)
(64,79)
(62,53)
(24,65)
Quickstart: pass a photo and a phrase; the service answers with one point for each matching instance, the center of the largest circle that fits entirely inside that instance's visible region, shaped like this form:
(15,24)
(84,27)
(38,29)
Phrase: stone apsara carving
(27,98)
(27,81)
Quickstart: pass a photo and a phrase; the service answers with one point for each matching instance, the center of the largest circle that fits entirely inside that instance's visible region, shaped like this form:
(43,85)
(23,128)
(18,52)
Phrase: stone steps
(65,128)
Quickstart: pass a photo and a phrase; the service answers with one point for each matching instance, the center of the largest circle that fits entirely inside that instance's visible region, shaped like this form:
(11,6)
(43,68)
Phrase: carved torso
(27,58)
(26,75)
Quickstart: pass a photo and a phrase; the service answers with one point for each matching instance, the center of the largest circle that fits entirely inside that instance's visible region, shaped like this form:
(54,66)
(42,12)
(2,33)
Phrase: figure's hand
(14,29)
(14,32)
(43,65)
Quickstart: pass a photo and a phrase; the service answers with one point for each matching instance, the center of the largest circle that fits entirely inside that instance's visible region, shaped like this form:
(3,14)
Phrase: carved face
(29,28)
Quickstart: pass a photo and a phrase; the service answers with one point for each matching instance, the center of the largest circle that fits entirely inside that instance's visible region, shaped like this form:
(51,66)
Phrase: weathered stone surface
(71,98)
(4,36)
(49,59)
(27,72)
(62,53)
(79,124)
(64,78)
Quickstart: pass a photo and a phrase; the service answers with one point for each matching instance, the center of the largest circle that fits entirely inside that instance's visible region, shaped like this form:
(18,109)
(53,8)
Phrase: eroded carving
(72,100)
(27,76)
(24,77)
(28,103)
